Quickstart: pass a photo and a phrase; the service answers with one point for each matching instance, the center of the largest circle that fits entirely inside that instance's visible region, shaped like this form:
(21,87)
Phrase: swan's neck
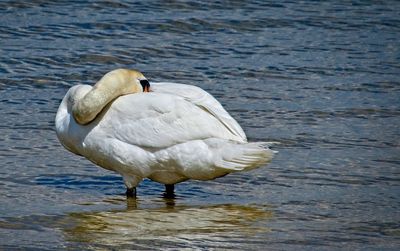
(112,85)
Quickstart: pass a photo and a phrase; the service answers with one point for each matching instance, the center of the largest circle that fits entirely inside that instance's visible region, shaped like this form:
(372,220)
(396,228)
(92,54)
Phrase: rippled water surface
(322,78)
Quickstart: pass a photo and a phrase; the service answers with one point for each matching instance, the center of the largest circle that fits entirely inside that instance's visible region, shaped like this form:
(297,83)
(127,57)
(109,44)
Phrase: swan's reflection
(169,223)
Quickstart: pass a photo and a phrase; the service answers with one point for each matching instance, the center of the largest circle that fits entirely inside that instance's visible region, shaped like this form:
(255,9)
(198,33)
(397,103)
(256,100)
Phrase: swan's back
(204,100)
(159,120)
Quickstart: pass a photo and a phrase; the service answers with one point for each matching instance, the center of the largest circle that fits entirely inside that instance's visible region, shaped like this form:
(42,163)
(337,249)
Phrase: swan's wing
(204,100)
(158,120)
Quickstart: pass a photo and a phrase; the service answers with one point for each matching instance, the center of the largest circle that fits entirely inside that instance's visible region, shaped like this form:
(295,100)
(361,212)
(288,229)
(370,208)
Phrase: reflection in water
(168,225)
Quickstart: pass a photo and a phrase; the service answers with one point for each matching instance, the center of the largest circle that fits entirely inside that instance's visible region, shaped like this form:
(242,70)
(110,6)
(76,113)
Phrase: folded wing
(205,101)
(158,120)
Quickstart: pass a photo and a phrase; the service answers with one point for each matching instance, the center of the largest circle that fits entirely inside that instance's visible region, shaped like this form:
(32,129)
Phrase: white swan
(173,133)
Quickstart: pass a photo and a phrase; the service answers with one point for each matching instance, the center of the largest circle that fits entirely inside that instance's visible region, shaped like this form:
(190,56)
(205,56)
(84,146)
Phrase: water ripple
(320,78)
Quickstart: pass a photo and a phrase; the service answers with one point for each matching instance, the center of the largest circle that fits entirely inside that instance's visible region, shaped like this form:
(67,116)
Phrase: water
(322,78)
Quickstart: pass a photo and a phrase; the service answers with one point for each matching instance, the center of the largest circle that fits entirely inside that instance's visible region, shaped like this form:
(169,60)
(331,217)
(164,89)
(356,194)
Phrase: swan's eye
(145,85)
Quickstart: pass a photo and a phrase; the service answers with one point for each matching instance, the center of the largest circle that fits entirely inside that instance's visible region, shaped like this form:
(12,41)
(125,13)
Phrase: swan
(166,132)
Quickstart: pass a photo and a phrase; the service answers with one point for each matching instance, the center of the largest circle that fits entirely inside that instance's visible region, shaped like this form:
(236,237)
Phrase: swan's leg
(131,192)
(169,191)
(131,182)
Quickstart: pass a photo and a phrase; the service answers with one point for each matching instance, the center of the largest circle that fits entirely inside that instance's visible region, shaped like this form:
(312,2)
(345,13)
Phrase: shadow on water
(154,223)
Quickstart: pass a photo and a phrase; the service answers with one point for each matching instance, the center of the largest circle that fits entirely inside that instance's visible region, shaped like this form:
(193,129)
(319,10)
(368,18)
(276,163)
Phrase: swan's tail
(244,157)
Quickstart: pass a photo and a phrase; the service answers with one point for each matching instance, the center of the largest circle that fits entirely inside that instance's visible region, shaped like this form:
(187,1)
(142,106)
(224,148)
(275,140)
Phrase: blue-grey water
(322,78)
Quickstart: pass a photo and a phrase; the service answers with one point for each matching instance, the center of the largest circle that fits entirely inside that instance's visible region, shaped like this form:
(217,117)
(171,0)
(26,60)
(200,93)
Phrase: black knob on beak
(145,85)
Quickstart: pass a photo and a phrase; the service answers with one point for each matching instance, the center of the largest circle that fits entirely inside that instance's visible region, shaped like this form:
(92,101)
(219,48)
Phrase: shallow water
(321,78)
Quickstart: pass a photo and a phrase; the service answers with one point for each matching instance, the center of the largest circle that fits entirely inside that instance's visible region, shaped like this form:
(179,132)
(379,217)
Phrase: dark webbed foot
(131,192)
(169,191)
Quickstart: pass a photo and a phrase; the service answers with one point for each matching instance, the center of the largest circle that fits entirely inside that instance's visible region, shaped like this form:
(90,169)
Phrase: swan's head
(112,85)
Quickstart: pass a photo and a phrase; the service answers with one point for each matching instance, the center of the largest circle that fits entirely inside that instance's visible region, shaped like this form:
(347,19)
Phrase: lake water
(322,78)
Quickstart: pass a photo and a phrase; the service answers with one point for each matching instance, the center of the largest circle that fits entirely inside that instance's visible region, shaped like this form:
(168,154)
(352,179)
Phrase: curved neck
(110,86)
